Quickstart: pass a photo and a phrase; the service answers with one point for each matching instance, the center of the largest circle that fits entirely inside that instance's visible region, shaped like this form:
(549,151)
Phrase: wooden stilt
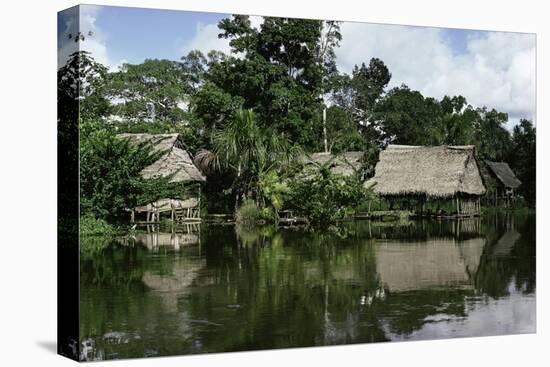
(199,207)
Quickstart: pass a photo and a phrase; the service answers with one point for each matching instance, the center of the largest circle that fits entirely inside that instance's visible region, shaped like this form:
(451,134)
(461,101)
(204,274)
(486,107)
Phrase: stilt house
(177,163)
(501,183)
(421,174)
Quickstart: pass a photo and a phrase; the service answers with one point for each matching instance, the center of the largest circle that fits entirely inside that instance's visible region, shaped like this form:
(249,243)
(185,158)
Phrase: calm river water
(213,288)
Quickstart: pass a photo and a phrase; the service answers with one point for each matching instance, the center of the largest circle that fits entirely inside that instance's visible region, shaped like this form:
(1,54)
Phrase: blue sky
(135,34)
(495,69)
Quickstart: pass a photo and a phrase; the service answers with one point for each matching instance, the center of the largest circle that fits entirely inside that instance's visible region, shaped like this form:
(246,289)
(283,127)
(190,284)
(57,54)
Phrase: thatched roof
(345,164)
(441,171)
(176,160)
(504,174)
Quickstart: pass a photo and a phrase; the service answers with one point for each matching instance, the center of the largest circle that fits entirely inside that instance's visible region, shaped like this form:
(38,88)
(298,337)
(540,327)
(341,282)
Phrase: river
(218,288)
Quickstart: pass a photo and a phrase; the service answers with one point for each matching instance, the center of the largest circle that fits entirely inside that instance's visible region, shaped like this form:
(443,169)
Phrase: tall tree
(522,158)
(458,121)
(276,73)
(491,137)
(152,90)
(359,95)
(404,116)
(326,60)
(83,79)
(248,150)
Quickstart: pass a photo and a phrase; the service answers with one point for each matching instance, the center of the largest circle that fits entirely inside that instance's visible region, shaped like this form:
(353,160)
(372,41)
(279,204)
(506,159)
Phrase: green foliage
(274,191)
(407,117)
(95,235)
(491,137)
(280,75)
(359,93)
(342,132)
(110,180)
(150,90)
(83,79)
(91,226)
(522,159)
(248,213)
(251,153)
(324,197)
(285,73)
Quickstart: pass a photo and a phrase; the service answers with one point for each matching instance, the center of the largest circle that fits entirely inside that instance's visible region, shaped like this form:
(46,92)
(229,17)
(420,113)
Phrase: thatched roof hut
(176,161)
(504,174)
(437,172)
(344,164)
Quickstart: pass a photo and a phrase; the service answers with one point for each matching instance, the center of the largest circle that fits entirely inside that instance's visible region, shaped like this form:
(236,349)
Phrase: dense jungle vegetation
(248,116)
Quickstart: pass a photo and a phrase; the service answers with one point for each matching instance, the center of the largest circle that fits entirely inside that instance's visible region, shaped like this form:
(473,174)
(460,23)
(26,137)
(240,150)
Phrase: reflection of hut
(450,173)
(404,266)
(176,163)
(505,244)
(154,240)
(501,183)
(344,164)
(170,286)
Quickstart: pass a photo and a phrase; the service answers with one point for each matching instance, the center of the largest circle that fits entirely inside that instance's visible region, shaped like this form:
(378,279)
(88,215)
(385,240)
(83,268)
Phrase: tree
(326,60)
(152,90)
(404,116)
(277,75)
(458,121)
(359,94)
(491,137)
(82,80)
(342,132)
(110,174)
(249,151)
(522,158)
(322,197)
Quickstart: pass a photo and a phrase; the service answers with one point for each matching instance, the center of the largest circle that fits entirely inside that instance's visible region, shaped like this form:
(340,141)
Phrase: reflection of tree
(258,288)
(277,282)
(121,314)
(510,256)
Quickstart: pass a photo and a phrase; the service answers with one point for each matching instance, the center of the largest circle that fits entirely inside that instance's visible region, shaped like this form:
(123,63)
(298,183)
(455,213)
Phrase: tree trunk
(325,128)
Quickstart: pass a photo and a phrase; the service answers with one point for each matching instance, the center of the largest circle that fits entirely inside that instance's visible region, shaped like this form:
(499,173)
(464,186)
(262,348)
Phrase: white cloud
(206,38)
(496,70)
(83,19)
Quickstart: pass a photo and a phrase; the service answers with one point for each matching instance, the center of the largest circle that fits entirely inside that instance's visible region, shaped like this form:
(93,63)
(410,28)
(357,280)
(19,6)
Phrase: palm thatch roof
(176,161)
(344,164)
(439,172)
(504,173)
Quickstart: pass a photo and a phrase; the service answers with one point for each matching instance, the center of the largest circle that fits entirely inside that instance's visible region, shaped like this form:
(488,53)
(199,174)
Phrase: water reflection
(242,289)
(154,238)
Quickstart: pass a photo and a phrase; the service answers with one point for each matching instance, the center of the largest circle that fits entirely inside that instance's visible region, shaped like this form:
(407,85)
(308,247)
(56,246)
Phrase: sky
(492,69)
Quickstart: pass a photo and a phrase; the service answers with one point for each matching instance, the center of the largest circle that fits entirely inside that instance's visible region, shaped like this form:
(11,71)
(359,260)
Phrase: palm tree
(249,150)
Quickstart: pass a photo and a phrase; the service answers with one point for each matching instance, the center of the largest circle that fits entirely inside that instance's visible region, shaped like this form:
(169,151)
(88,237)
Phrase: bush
(95,234)
(248,213)
(325,197)
(90,226)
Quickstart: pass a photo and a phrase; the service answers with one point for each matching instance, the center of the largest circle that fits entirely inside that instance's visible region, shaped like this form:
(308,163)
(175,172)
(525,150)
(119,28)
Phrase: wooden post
(199,208)
(132,216)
